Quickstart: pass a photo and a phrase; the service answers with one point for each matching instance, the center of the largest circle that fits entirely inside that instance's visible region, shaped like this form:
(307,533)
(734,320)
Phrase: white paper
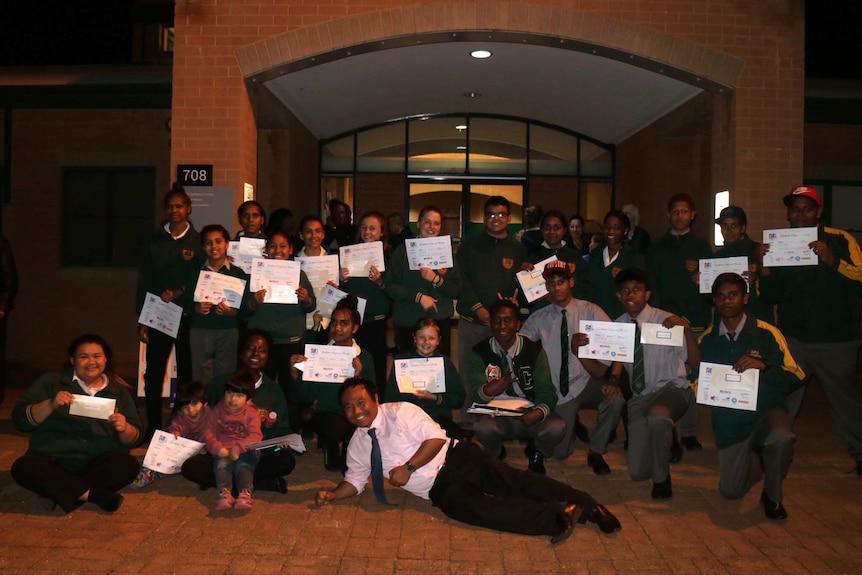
(433,253)
(609,341)
(167,452)
(331,296)
(319,270)
(291,441)
(358,258)
(423,373)
(214,287)
(711,268)
(328,363)
(95,407)
(280,279)
(789,247)
(159,315)
(507,407)
(532,282)
(657,334)
(720,386)
(244,250)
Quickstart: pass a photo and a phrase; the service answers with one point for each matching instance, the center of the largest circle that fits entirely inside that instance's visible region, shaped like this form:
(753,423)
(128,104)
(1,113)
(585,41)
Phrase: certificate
(423,373)
(609,341)
(711,268)
(330,296)
(789,247)
(280,279)
(167,452)
(434,253)
(532,282)
(720,386)
(161,315)
(320,269)
(215,288)
(328,363)
(90,406)
(359,258)
(504,407)
(657,334)
(245,250)
(291,441)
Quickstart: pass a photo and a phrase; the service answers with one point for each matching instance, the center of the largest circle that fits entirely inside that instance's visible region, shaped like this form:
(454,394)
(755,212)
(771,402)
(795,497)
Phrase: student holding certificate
(252,218)
(439,405)
(744,342)
(73,459)
(372,332)
(418,294)
(607,261)
(284,322)
(323,413)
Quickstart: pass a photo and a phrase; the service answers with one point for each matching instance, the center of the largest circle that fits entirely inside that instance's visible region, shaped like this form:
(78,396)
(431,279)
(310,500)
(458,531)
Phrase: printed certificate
(609,341)
(532,282)
(167,452)
(91,406)
(215,288)
(433,253)
(502,407)
(280,279)
(711,268)
(657,334)
(328,363)
(320,269)
(330,296)
(789,247)
(425,373)
(160,315)
(720,386)
(359,258)
(244,250)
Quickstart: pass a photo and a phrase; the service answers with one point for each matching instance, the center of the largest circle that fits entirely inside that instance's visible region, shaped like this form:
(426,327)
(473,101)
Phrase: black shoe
(772,509)
(107,500)
(332,457)
(281,485)
(502,455)
(606,521)
(691,443)
(536,463)
(662,490)
(570,516)
(581,431)
(598,463)
(675,452)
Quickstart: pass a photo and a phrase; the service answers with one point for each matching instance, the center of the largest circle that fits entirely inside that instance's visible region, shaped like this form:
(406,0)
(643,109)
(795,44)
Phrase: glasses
(496,215)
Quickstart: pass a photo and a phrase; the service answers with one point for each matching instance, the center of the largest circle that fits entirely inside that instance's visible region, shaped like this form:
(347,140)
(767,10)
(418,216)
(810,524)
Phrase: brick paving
(171,527)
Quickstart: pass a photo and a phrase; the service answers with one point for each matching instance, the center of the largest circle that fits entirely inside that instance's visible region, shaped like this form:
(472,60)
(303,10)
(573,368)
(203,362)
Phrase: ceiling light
(472,94)
(460,127)
(481,54)
(460,147)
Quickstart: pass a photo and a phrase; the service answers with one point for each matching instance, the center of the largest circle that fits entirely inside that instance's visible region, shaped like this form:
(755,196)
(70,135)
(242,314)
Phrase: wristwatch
(410,467)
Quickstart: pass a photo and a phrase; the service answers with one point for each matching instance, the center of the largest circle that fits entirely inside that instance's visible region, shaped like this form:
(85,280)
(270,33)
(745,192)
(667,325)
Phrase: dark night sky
(61,32)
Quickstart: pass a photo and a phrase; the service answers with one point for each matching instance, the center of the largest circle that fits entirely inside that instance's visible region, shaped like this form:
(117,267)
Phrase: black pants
(277,368)
(480,490)
(109,471)
(372,337)
(158,353)
(271,465)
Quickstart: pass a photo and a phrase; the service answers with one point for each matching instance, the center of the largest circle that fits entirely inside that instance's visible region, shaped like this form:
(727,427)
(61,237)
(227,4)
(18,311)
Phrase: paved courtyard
(171,527)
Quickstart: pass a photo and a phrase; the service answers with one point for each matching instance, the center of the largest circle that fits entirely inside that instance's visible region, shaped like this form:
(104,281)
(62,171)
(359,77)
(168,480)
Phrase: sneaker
(145,477)
(225,500)
(244,501)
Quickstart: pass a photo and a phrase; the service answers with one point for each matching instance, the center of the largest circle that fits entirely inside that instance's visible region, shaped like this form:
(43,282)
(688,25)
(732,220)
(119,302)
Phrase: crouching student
(234,423)
(740,340)
(189,422)
(658,379)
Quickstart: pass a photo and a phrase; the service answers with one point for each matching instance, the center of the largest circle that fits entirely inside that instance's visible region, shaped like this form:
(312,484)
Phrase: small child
(190,422)
(233,424)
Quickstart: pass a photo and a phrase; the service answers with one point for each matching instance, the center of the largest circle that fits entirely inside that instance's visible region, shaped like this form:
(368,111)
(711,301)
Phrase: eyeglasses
(496,215)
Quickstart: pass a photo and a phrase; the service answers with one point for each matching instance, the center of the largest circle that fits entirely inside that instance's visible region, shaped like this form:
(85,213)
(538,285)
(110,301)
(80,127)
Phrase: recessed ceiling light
(460,147)
(472,94)
(460,127)
(481,54)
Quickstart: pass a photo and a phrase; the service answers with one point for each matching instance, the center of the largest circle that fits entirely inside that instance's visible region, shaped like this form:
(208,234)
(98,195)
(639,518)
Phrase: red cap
(805,192)
(556,267)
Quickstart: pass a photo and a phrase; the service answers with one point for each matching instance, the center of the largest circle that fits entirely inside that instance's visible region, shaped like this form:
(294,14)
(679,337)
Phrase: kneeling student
(659,384)
(740,340)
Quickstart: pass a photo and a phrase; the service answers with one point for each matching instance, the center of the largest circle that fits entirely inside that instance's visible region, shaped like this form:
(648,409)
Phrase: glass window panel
(337,157)
(596,161)
(438,146)
(447,197)
(552,153)
(497,146)
(381,149)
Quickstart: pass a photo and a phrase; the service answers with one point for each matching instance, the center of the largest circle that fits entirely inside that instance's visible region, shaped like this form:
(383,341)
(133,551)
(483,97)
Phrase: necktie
(731,335)
(377,468)
(638,378)
(564,356)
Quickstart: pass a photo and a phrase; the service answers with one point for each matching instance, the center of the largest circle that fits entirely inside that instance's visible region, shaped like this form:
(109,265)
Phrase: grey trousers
(834,365)
(214,353)
(651,432)
(609,417)
(493,431)
(765,453)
